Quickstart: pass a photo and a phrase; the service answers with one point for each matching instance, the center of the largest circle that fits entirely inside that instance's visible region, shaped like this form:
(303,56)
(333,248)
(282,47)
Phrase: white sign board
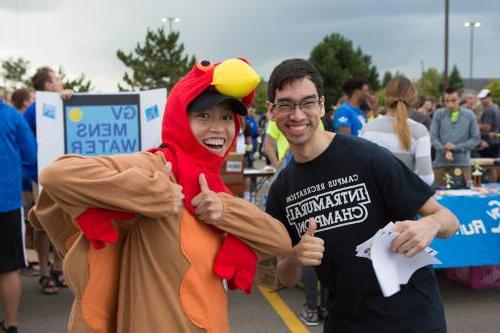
(98,124)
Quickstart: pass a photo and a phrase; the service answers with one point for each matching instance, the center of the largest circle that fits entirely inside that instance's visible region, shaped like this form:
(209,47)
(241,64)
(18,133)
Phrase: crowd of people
(425,139)
(19,189)
(433,137)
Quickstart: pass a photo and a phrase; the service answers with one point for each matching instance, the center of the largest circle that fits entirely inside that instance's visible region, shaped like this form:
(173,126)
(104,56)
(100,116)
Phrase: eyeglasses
(307,105)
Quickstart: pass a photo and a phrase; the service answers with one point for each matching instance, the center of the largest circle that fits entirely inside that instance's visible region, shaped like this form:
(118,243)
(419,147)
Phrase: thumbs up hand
(176,199)
(208,206)
(309,251)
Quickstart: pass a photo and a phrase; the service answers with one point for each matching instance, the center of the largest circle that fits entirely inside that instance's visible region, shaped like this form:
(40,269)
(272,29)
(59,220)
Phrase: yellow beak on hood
(235,78)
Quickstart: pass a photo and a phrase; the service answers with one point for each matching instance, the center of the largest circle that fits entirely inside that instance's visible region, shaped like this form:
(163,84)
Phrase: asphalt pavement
(467,310)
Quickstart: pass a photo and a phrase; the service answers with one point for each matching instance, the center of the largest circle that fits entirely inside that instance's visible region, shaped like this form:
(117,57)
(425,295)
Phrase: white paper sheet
(392,269)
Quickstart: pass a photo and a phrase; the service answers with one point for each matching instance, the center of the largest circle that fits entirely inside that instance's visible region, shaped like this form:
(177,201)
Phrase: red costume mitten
(96,225)
(236,263)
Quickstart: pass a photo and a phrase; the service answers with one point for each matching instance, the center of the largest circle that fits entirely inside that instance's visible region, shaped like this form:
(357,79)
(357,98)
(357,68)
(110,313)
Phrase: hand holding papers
(391,268)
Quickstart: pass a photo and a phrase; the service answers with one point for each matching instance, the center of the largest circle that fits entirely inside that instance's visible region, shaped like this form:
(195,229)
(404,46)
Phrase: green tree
(260,98)
(159,63)
(430,83)
(455,79)
(381,96)
(78,84)
(337,60)
(387,77)
(14,72)
(494,87)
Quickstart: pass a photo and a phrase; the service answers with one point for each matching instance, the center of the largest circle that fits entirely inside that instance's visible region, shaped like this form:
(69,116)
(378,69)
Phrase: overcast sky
(83,35)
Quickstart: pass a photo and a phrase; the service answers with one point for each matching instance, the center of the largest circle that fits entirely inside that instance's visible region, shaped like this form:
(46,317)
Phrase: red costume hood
(188,156)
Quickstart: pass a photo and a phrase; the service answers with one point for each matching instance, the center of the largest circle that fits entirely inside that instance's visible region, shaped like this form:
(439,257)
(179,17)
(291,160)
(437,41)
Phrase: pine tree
(337,60)
(260,98)
(387,77)
(14,73)
(78,84)
(455,80)
(159,63)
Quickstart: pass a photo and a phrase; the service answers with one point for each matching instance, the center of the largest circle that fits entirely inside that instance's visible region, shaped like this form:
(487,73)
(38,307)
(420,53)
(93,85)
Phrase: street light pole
(471,25)
(446,29)
(170,20)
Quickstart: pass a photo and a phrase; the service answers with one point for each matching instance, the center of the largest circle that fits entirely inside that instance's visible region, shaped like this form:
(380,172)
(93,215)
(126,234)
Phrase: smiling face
(299,125)
(214,128)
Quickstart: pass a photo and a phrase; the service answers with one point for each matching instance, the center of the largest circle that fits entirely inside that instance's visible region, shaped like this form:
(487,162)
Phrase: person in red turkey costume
(148,237)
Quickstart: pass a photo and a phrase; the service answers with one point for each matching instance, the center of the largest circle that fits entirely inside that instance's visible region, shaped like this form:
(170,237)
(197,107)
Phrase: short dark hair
(353,84)
(420,102)
(291,70)
(41,77)
(451,90)
(19,96)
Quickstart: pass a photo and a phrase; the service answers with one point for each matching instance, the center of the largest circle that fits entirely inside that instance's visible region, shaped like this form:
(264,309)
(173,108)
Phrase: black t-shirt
(353,189)
(491,117)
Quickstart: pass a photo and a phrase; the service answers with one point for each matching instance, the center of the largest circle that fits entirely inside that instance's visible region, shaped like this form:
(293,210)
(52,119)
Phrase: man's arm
(66,94)
(447,221)
(270,150)
(27,148)
(485,128)
(289,270)
(30,117)
(436,141)
(487,121)
(415,236)
(308,252)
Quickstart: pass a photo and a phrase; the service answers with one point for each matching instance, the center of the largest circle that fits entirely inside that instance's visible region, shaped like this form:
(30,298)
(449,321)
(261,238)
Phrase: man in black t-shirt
(336,193)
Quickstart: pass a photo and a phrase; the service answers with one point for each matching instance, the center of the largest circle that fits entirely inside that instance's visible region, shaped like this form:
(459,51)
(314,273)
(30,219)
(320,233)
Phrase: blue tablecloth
(478,240)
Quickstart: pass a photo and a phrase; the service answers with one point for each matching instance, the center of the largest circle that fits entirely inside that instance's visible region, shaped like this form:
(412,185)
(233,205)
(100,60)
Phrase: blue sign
(477,242)
(102,129)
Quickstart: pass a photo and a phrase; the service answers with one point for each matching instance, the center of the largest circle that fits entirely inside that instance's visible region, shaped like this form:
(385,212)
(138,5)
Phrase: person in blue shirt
(17,155)
(22,98)
(253,127)
(349,118)
(45,79)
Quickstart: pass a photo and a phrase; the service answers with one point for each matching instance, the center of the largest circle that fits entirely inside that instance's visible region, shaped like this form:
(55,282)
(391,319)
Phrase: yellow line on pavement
(291,321)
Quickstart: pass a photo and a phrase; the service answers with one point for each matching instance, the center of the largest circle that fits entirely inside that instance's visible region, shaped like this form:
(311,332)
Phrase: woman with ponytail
(407,139)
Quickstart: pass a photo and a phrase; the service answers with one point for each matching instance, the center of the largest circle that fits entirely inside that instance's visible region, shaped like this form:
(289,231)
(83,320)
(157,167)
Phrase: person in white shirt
(407,139)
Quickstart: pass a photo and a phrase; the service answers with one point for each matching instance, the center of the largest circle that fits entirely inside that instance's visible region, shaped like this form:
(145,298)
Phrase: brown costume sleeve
(134,183)
(264,234)
(48,216)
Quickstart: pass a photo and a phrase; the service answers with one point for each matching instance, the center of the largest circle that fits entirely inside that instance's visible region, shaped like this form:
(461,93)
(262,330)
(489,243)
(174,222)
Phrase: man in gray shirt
(454,133)
(488,125)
